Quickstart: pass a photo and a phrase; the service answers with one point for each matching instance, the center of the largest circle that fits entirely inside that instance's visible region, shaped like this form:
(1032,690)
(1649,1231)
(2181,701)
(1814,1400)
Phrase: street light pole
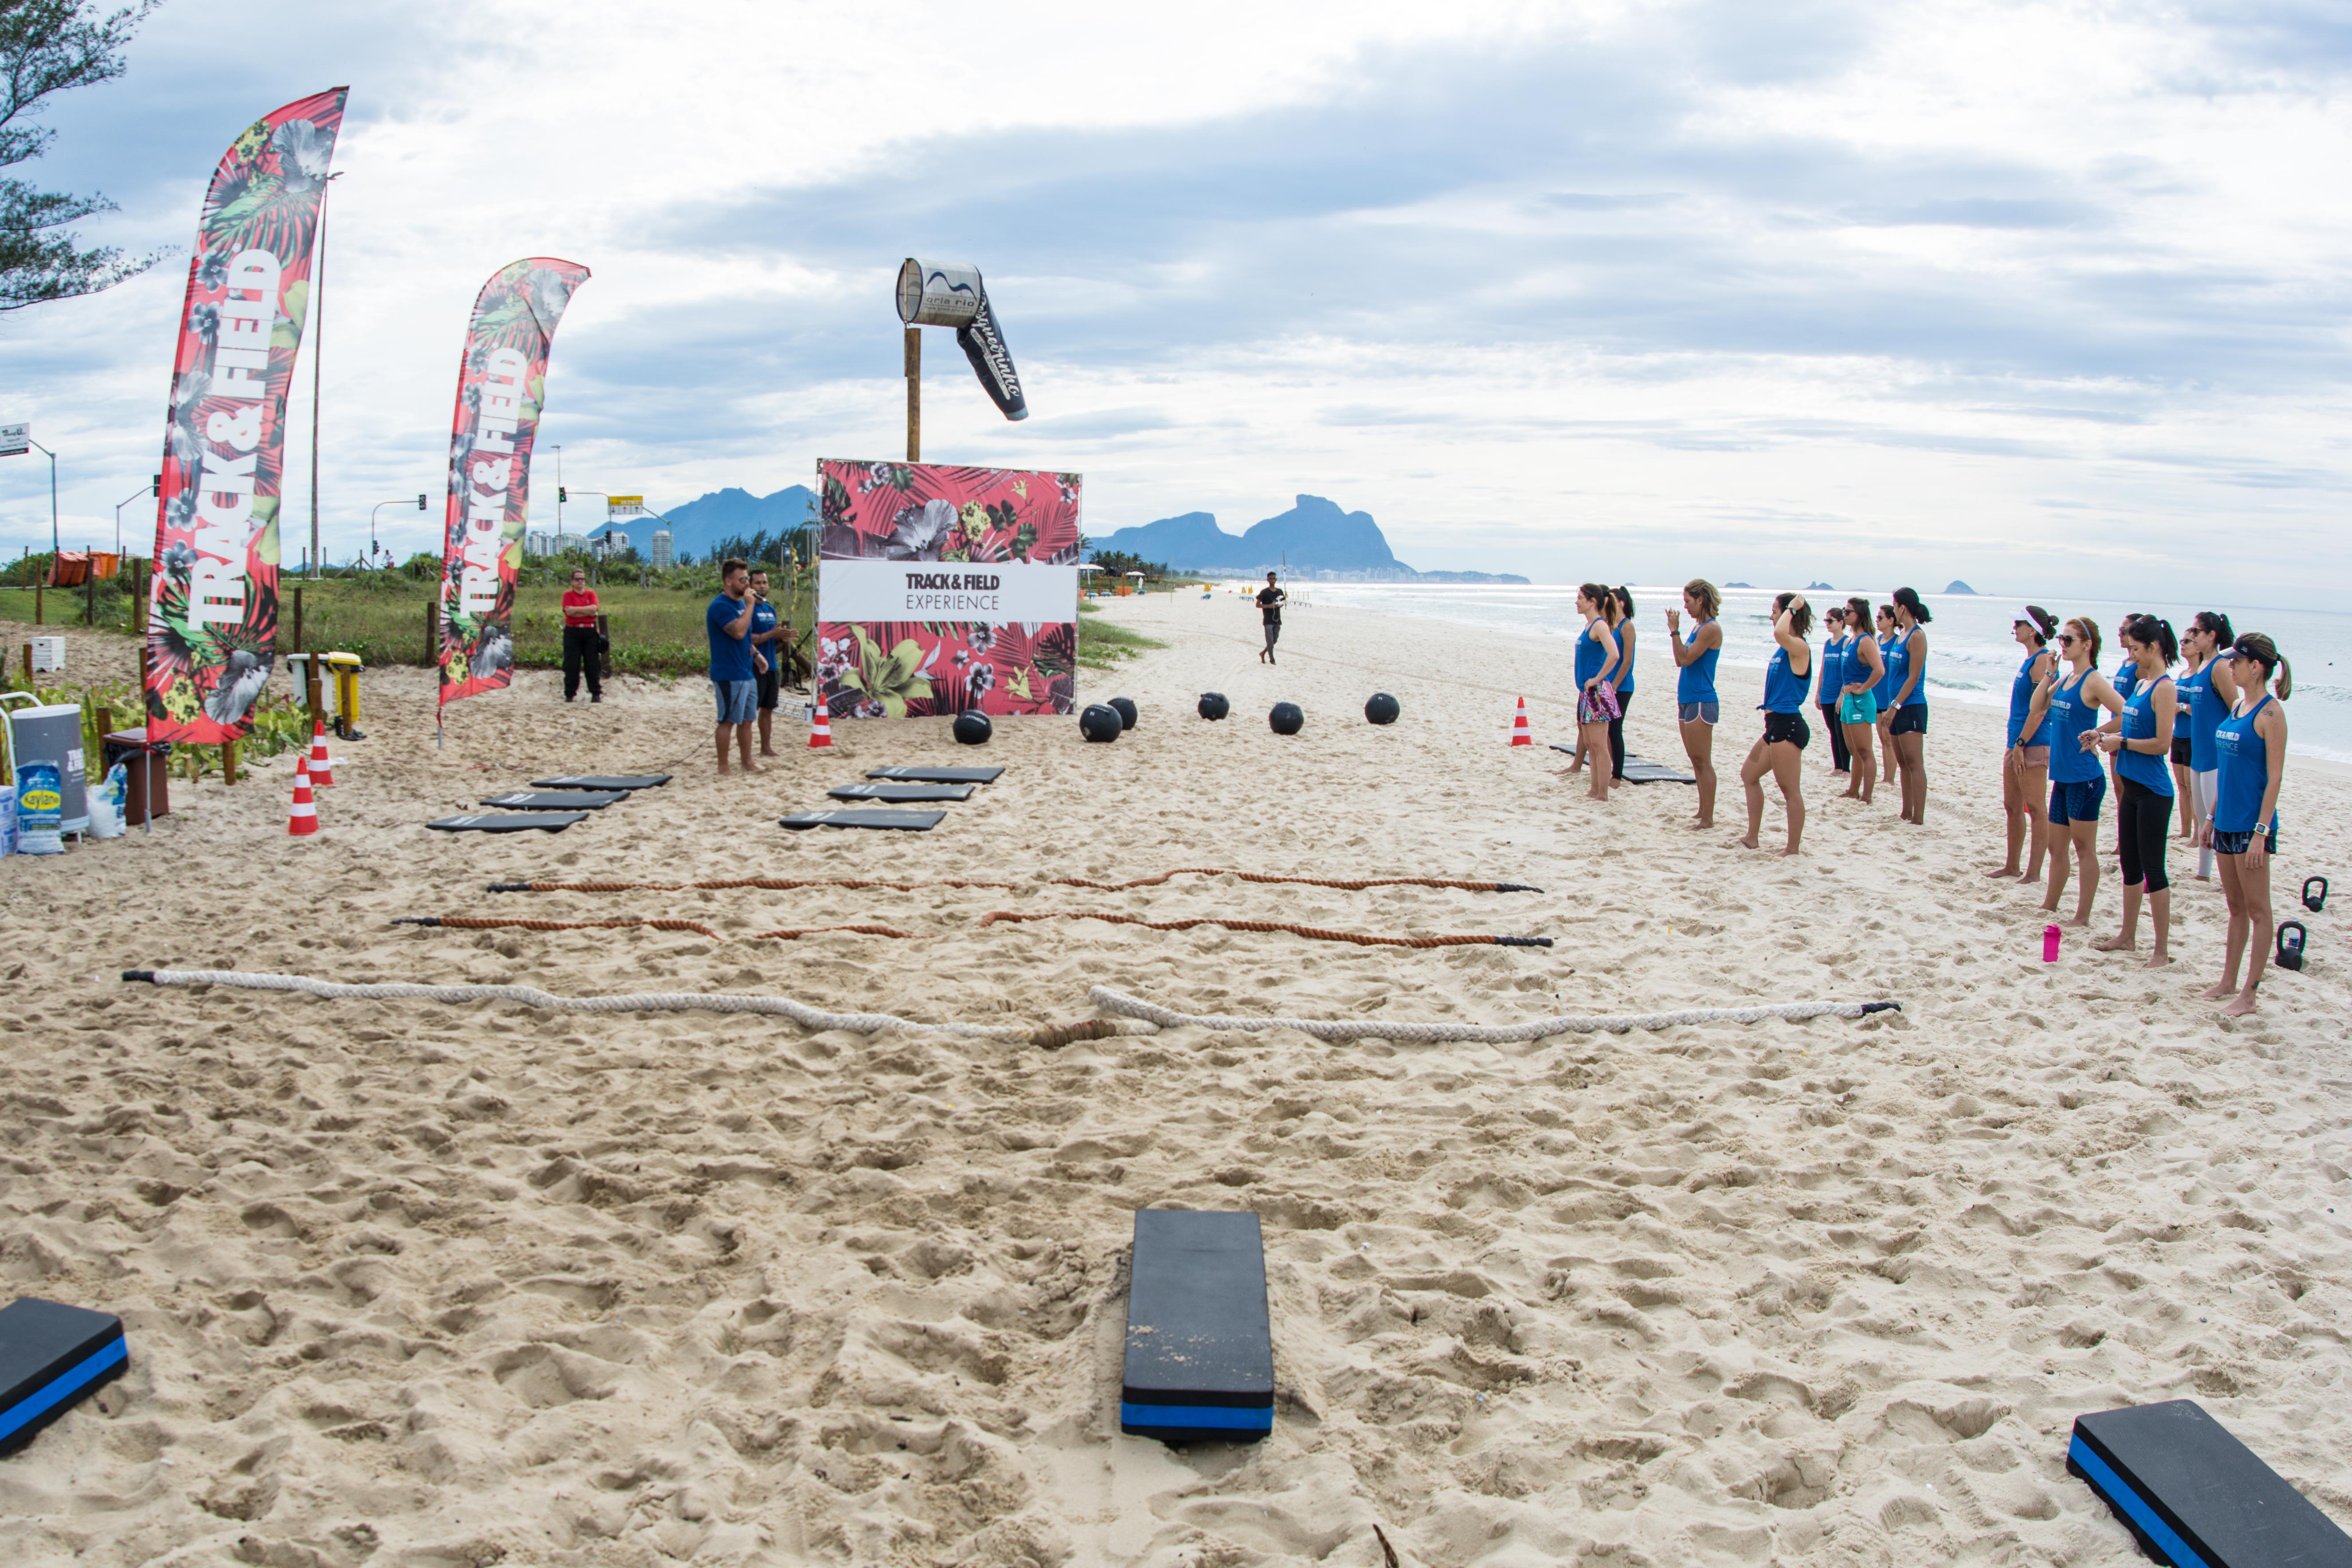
(401,500)
(318,352)
(135,495)
(52,457)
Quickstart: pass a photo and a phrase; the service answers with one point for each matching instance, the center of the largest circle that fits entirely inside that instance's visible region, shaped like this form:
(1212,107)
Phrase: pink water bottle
(2049,944)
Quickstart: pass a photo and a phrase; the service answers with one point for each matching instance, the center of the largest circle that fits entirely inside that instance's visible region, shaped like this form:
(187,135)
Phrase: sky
(2049,298)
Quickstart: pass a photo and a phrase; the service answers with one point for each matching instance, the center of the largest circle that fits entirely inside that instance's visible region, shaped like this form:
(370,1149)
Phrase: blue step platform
(2195,1497)
(1200,1354)
(51,1355)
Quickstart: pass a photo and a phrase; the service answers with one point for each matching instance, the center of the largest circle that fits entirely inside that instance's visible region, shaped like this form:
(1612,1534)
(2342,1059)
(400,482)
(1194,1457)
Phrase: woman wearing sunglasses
(2074,699)
(2141,741)
(2252,742)
(2211,689)
(2025,766)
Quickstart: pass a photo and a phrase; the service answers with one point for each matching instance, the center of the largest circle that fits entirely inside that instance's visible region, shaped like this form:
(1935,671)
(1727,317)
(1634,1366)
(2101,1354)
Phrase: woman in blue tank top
(1910,730)
(2141,741)
(1696,705)
(1620,612)
(1857,709)
(1781,750)
(2025,766)
(1596,685)
(2251,744)
(1834,643)
(1890,681)
(2210,692)
(2070,701)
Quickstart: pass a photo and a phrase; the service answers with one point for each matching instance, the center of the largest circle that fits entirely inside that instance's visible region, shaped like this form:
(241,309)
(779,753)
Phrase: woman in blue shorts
(2025,766)
(1781,750)
(1596,685)
(1857,713)
(1910,730)
(2252,742)
(1696,705)
(2073,700)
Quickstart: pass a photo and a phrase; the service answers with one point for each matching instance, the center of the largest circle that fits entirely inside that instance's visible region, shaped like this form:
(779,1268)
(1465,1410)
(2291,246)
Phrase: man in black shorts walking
(1269,610)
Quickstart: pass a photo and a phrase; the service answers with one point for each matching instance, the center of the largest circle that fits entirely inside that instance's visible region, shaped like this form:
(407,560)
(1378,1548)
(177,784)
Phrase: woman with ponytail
(2211,691)
(1621,625)
(1890,680)
(1836,639)
(2141,741)
(2073,698)
(2252,742)
(1857,707)
(2025,766)
(1781,750)
(1910,730)
(1596,685)
(1695,703)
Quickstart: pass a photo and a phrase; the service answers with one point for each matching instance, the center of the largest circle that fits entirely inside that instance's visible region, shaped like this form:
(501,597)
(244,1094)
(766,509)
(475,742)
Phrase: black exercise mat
(912,821)
(1200,1353)
(556,800)
(900,793)
(935,775)
(601,781)
(1641,769)
(2187,1488)
(547,821)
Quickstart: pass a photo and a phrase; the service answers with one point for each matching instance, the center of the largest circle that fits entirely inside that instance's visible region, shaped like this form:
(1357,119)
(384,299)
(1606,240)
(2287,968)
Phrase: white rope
(1112,1001)
(800,1013)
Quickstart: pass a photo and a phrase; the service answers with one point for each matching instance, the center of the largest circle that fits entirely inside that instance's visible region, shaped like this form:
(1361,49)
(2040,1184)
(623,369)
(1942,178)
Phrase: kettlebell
(1126,711)
(2317,901)
(1099,723)
(2291,938)
(1213,705)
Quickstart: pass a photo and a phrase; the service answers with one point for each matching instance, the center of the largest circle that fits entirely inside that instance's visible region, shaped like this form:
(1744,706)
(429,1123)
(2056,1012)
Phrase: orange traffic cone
(321,766)
(820,725)
(303,819)
(1520,734)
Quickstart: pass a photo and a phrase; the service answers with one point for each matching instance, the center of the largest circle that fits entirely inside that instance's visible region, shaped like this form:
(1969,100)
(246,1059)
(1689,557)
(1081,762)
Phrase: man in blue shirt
(766,628)
(733,660)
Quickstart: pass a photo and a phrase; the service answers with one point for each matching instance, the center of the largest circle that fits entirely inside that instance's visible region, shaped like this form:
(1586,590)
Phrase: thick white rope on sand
(1112,1001)
(800,1013)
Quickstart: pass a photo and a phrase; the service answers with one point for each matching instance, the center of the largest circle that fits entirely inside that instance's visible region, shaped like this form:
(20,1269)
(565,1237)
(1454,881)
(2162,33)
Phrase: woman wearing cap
(1865,667)
(2211,689)
(1910,731)
(2073,698)
(1696,705)
(2025,766)
(2141,741)
(1836,640)
(2252,742)
(1781,750)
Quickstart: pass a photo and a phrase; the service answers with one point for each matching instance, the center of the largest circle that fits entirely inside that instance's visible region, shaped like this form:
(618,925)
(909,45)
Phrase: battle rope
(1318,933)
(778,884)
(1504,1033)
(785,933)
(808,1017)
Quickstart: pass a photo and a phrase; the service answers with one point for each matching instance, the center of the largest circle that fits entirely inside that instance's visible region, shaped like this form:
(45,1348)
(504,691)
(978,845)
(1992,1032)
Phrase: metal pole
(53,493)
(914,394)
(318,352)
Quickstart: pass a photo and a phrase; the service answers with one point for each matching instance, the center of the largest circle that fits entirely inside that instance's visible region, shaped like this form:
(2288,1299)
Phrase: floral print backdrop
(931,511)
(227,415)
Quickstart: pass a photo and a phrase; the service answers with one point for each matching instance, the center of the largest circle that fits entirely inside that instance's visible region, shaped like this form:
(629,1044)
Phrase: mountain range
(1314,538)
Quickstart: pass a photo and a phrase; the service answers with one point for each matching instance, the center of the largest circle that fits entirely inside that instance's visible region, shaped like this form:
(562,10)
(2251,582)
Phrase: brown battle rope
(481,922)
(1318,933)
(780,884)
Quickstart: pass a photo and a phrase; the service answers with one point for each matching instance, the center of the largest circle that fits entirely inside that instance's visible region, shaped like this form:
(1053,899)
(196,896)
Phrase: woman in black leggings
(1620,611)
(2140,739)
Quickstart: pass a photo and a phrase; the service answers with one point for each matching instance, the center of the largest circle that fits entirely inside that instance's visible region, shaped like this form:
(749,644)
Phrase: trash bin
(150,769)
(51,733)
(343,669)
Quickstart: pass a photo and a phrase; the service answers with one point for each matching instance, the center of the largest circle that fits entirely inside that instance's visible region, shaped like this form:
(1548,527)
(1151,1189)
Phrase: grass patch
(1104,644)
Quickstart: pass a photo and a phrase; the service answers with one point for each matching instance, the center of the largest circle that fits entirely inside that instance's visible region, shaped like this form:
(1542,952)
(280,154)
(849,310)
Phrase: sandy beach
(418,1285)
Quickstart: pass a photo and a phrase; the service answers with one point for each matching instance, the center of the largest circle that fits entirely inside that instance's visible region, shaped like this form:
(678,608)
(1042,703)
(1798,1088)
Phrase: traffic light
(420,503)
(561,494)
(155,485)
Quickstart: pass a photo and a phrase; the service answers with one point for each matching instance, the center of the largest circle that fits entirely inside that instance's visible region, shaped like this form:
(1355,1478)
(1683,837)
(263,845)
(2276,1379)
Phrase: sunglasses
(2068,637)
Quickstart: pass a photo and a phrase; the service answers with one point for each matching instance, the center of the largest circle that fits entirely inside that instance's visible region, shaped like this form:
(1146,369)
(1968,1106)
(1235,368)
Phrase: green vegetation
(1103,644)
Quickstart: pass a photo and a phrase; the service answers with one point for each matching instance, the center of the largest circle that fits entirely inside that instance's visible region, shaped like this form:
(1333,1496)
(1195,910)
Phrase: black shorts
(2239,843)
(1788,727)
(2180,750)
(1909,721)
(769,682)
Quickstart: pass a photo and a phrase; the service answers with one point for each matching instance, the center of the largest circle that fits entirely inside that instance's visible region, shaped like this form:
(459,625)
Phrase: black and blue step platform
(900,793)
(2195,1497)
(479,822)
(906,821)
(603,781)
(51,1357)
(1200,1352)
(556,800)
(935,775)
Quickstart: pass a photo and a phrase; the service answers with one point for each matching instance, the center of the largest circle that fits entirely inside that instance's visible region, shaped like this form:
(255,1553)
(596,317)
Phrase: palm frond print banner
(211,609)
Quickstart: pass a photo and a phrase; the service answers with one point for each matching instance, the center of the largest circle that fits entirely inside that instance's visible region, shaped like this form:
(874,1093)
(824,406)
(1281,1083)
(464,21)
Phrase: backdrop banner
(942,590)
(212,608)
(501,386)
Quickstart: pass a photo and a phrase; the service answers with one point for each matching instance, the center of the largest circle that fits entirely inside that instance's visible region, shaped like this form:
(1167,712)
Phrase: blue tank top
(2124,679)
(2246,773)
(1919,697)
(2146,769)
(2071,713)
(1696,681)
(1783,692)
(2020,703)
(1589,655)
(1888,671)
(2204,714)
(1833,663)
(1625,634)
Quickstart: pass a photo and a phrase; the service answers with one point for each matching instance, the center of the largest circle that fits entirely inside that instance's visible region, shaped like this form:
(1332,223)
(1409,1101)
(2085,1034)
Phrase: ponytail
(2090,630)
(1624,602)
(2149,631)
(2264,652)
(1709,598)
(1908,598)
(1857,610)
(1800,619)
(1600,597)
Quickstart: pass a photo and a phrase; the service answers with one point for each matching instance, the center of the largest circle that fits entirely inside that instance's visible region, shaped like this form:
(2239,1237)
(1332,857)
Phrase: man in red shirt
(579,639)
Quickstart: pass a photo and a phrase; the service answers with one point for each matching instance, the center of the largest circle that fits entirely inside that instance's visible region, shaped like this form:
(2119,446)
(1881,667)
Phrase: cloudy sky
(2049,297)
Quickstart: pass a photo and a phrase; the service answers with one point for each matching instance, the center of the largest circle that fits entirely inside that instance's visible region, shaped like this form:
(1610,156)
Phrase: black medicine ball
(1382,709)
(1099,723)
(974,728)
(1213,705)
(1285,718)
(1126,711)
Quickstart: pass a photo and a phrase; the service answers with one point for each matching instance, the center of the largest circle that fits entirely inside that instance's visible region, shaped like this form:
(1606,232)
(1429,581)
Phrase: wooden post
(38,589)
(914,394)
(28,666)
(604,648)
(299,644)
(228,763)
(433,634)
(89,596)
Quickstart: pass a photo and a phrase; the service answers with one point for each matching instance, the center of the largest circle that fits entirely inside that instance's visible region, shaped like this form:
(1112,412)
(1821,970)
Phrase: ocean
(1971,658)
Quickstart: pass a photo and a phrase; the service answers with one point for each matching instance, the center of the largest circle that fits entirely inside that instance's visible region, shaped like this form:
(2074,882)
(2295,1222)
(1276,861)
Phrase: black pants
(1617,736)
(1839,754)
(579,653)
(2143,821)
